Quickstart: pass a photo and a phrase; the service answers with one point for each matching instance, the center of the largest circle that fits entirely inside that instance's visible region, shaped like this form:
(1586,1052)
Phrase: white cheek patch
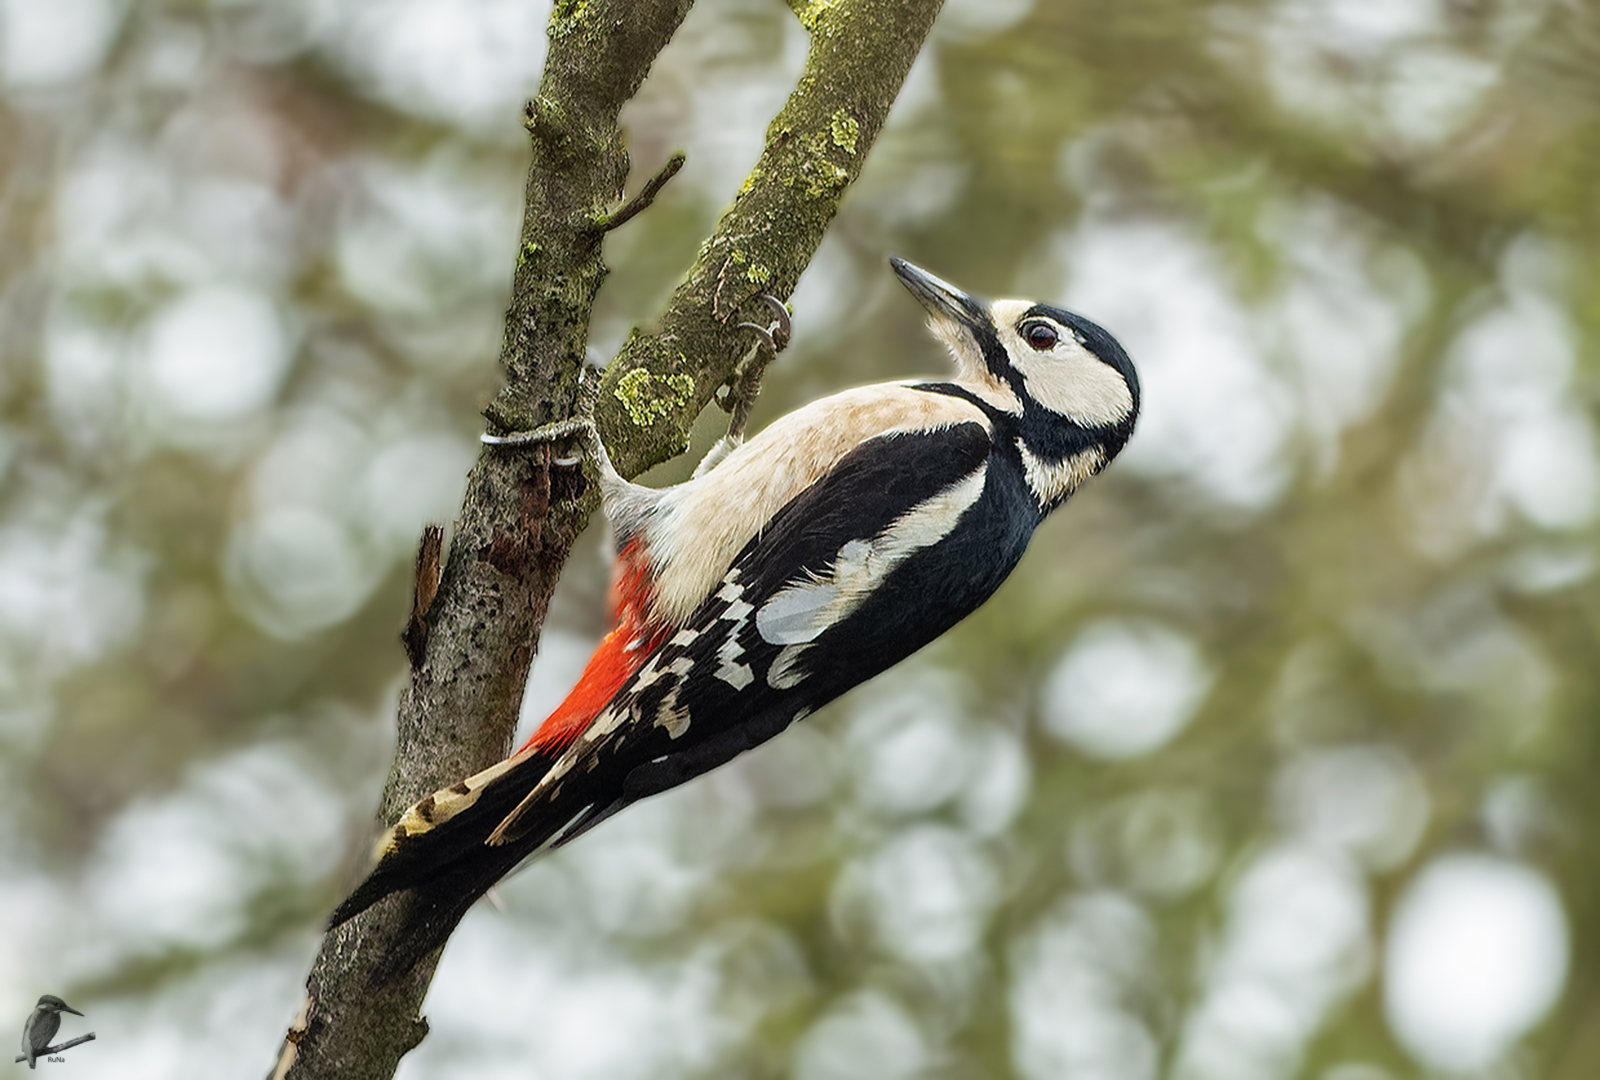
(1068,379)
(801,612)
(1072,381)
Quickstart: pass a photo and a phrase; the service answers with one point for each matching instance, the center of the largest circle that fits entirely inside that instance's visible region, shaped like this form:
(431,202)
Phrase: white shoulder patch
(800,612)
(699,526)
(791,616)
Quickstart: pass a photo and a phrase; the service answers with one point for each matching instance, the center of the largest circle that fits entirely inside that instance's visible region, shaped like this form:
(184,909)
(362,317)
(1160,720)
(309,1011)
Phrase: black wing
(947,517)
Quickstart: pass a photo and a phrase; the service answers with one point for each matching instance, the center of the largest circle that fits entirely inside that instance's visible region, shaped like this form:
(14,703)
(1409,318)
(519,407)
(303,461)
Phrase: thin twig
(646,195)
(59,1047)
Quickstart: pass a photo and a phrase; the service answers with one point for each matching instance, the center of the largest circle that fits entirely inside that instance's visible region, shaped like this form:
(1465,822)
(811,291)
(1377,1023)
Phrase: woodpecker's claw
(775,336)
(783,328)
(580,423)
(761,332)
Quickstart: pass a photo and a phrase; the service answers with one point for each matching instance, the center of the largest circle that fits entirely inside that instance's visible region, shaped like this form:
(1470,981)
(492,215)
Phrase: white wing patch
(795,615)
(729,653)
(799,613)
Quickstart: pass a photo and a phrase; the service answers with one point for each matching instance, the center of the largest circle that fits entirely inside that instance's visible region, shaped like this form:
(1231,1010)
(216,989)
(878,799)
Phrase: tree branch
(60,1047)
(473,644)
(646,196)
(861,51)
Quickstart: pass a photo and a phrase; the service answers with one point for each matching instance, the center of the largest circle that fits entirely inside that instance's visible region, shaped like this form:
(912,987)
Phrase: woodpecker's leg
(624,503)
(741,395)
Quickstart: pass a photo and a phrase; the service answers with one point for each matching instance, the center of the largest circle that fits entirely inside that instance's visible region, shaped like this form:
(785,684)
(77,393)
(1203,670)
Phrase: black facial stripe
(994,353)
(1053,438)
(1048,436)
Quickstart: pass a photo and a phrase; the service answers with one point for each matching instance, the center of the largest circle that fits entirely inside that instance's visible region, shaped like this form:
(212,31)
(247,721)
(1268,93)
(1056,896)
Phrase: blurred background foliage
(1277,758)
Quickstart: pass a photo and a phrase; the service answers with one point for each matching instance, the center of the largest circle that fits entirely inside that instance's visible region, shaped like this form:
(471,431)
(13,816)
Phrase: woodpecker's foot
(776,334)
(742,392)
(580,423)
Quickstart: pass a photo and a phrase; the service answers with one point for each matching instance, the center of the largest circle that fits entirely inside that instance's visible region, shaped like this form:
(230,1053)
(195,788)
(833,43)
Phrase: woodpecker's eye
(1042,336)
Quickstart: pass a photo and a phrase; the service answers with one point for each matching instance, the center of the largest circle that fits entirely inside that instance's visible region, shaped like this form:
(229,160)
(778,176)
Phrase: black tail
(434,907)
(439,852)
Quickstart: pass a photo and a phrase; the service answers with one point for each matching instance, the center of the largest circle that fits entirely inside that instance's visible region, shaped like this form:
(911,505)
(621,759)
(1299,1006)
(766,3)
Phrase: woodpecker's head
(51,1003)
(1046,364)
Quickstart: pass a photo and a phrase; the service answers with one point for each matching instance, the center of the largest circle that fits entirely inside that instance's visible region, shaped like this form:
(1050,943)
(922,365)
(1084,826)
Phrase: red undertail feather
(621,652)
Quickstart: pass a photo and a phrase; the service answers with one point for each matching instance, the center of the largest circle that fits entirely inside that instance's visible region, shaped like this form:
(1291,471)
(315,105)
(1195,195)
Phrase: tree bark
(479,610)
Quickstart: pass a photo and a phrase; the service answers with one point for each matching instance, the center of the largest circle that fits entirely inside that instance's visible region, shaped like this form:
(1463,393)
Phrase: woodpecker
(42,1025)
(829,547)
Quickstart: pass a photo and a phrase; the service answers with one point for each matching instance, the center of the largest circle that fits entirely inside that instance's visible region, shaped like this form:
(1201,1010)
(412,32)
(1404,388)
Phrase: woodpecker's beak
(942,299)
(68,1008)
